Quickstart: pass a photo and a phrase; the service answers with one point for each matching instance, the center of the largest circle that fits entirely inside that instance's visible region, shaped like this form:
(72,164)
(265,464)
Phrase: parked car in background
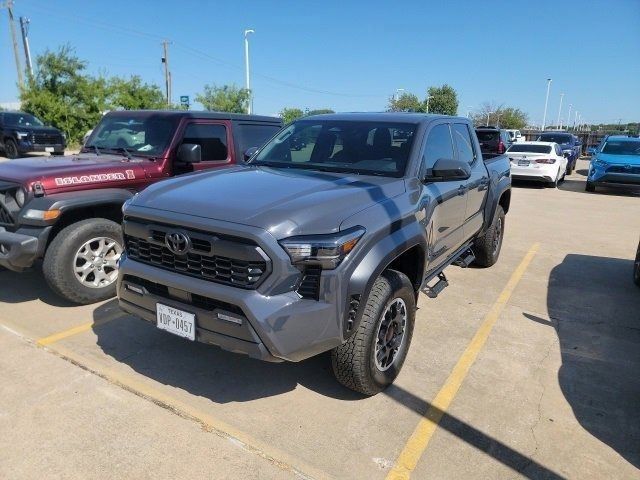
(493,141)
(331,250)
(538,161)
(616,163)
(569,144)
(67,210)
(22,133)
(516,136)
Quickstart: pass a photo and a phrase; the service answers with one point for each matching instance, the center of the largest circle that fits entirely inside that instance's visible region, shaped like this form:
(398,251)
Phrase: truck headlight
(22,135)
(20,196)
(324,250)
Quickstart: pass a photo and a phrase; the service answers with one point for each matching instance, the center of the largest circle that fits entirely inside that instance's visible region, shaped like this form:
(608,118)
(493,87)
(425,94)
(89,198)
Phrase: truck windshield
(367,148)
(530,148)
(554,138)
(21,120)
(622,147)
(146,136)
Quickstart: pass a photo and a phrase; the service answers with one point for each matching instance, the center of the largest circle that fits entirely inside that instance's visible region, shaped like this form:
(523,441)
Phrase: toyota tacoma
(326,247)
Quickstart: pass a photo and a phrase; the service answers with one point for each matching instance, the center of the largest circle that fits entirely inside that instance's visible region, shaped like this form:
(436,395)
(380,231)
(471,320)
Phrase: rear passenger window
(463,142)
(438,145)
(211,138)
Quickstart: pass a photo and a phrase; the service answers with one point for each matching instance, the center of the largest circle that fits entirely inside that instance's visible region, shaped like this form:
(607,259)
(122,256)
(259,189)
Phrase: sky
(353,55)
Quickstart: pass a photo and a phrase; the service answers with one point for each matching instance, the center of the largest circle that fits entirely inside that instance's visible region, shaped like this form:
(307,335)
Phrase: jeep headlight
(20,196)
(324,250)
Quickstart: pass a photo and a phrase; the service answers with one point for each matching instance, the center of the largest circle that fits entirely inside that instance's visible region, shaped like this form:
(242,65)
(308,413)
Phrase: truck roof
(195,114)
(399,117)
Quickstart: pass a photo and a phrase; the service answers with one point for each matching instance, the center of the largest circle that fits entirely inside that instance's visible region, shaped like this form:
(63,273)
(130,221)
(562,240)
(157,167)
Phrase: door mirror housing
(250,152)
(189,153)
(448,169)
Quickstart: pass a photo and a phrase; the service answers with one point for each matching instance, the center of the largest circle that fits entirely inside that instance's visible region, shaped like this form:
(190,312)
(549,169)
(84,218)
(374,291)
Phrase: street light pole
(246,67)
(498,122)
(546,102)
(428,98)
(558,122)
(396,96)
(569,116)
(469,107)
(488,113)
(575,119)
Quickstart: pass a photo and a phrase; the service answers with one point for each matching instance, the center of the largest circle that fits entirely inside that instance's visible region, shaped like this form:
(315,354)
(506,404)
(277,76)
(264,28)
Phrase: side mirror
(448,169)
(189,153)
(250,152)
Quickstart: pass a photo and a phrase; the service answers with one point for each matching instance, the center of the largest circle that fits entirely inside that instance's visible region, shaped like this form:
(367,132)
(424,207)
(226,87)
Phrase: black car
(493,141)
(22,132)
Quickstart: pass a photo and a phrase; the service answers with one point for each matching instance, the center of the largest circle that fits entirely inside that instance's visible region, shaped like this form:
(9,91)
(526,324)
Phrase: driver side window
(439,145)
(212,139)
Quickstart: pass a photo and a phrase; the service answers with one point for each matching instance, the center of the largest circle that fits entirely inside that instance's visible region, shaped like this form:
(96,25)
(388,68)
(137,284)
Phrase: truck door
(477,183)
(443,203)
(216,145)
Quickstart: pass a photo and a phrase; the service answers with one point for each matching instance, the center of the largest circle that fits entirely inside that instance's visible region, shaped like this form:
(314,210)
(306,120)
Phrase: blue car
(569,143)
(615,163)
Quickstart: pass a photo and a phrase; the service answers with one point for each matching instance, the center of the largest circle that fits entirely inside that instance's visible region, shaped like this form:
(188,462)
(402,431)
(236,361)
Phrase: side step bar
(465,259)
(436,288)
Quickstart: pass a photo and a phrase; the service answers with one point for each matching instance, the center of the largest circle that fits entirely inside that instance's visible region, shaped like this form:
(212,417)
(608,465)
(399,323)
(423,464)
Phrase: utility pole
(558,122)
(24,27)
(246,66)
(546,102)
(167,72)
(12,26)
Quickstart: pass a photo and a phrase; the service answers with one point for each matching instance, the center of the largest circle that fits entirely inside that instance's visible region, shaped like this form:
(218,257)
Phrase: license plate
(176,321)
(523,163)
(48,149)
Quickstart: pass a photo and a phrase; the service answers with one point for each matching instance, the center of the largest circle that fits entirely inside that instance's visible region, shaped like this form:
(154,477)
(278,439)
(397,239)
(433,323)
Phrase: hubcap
(497,238)
(389,339)
(96,262)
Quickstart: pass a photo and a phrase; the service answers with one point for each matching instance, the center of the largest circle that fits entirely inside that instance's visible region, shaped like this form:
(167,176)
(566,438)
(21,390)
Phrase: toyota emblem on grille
(177,242)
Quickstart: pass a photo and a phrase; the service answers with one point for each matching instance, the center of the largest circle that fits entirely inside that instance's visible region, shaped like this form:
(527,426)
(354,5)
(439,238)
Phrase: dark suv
(22,132)
(493,141)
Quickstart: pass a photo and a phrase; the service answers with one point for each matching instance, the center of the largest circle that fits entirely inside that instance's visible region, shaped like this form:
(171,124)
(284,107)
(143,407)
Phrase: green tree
(289,114)
(407,102)
(511,117)
(499,115)
(442,100)
(227,98)
(318,111)
(132,94)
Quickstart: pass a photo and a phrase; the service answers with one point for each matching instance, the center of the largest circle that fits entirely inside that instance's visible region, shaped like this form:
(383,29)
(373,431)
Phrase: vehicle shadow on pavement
(205,370)
(594,307)
(578,186)
(27,286)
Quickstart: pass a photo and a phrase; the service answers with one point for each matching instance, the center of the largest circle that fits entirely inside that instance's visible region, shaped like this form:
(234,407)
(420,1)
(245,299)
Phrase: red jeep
(67,210)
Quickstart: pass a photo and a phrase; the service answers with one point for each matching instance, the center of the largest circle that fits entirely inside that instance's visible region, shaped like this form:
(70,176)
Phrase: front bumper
(267,327)
(20,249)
(602,175)
(28,146)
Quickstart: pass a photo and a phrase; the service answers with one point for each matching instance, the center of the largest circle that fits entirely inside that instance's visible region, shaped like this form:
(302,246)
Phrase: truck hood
(284,202)
(82,169)
(619,159)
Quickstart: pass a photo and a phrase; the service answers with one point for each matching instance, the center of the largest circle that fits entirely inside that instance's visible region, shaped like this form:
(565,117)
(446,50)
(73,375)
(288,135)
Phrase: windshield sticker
(101,177)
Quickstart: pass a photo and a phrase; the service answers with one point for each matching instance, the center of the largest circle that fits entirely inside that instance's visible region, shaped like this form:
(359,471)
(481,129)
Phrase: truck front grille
(209,257)
(624,169)
(47,138)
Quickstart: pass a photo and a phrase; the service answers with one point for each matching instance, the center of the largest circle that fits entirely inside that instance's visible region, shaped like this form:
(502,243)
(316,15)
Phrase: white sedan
(539,161)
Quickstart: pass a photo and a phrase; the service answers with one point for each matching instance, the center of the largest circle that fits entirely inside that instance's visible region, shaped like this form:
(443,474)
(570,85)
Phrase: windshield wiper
(123,150)
(95,148)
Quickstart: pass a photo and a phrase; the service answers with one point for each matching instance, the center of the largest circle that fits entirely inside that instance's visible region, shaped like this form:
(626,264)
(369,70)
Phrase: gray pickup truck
(324,247)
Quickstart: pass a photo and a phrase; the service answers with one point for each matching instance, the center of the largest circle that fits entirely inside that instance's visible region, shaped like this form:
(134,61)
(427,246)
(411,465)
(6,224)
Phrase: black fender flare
(69,201)
(377,258)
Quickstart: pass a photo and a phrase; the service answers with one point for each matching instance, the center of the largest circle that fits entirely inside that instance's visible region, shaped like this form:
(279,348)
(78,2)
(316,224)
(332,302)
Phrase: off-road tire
(353,362)
(59,259)
(11,148)
(484,247)
(590,187)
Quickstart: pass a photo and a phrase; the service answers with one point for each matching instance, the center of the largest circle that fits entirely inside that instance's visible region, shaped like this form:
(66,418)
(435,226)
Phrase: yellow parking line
(419,440)
(43,342)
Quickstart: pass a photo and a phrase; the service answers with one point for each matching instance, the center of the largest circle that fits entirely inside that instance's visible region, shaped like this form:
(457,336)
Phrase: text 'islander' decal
(100,177)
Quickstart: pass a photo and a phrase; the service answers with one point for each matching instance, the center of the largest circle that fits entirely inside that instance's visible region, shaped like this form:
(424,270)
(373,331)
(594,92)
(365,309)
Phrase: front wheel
(11,148)
(81,264)
(590,187)
(372,357)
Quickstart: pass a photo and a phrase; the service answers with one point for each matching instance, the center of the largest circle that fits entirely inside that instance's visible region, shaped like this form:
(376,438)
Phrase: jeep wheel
(10,148)
(81,264)
(487,247)
(372,357)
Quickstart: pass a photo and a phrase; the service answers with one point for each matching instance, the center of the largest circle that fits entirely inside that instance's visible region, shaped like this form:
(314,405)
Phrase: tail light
(500,146)
(545,160)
